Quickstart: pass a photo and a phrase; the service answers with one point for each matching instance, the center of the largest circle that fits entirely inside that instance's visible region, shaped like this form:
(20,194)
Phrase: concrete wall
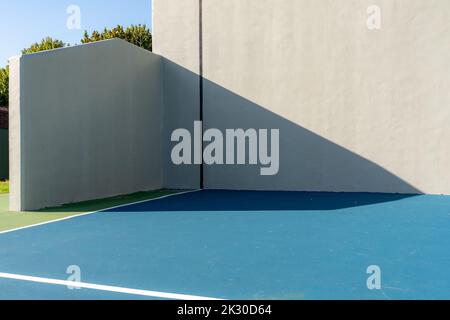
(358,110)
(85,124)
(15,133)
(181,84)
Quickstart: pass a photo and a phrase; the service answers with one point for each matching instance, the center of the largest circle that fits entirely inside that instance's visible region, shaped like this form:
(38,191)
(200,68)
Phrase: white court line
(98,211)
(146,293)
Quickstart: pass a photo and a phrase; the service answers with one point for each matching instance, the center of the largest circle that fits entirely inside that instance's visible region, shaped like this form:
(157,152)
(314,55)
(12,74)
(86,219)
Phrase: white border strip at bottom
(146,293)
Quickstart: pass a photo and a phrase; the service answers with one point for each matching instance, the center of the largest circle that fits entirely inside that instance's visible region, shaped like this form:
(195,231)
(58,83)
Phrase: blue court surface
(238,245)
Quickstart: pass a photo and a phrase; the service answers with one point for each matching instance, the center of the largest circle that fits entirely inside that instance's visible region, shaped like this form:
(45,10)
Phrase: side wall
(358,110)
(15,133)
(86,124)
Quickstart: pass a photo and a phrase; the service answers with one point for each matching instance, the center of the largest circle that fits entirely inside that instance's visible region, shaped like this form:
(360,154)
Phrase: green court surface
(14,220)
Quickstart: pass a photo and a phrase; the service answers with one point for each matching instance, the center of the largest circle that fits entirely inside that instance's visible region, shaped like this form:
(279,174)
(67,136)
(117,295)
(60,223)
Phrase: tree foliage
(138,35)
(4,86)
(45,44)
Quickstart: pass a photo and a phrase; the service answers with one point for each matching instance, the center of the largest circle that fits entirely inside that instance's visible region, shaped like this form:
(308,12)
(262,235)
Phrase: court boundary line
(97,211)
(106,288)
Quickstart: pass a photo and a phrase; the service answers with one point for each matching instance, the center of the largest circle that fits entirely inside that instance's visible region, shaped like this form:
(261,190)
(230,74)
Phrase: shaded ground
(13,220)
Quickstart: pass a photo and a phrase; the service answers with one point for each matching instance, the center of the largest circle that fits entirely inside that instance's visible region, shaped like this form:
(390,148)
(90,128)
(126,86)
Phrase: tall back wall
(358,109)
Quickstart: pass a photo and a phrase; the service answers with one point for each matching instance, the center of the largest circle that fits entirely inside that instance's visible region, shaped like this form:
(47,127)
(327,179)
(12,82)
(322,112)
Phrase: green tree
(4,87)
(138,35)
(96,36)
(45,44)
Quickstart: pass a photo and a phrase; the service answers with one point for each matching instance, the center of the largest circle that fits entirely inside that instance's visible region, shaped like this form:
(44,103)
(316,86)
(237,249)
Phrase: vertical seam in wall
(162,103)
(200,30)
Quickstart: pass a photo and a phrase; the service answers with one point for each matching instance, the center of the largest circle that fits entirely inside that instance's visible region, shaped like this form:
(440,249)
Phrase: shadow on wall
(308,162)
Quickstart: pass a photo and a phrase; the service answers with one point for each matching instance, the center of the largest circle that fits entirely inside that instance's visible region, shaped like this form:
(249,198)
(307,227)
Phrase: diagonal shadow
(308,162)
(223,200)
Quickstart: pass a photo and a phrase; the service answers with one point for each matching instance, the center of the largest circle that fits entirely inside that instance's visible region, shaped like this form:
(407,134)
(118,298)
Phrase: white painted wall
(358,110)
(85,123)
(179,47)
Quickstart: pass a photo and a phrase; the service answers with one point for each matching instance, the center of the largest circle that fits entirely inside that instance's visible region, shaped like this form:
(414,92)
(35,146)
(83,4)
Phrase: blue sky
(24,22)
